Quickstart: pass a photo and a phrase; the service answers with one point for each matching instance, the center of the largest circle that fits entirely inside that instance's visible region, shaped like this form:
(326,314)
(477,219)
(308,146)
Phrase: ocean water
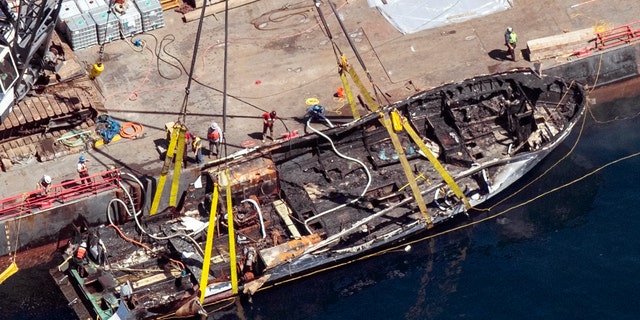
(572,253)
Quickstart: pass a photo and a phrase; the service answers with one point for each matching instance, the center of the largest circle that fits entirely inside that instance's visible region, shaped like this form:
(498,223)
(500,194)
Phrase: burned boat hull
(127,279)
(315,201)
(344,192)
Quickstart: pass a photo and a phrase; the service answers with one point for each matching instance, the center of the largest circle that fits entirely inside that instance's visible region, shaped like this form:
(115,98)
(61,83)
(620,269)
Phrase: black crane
(25,40)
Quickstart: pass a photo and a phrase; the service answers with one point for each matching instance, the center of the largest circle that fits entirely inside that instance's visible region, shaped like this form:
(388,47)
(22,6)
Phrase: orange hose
(129,239)
(131,130)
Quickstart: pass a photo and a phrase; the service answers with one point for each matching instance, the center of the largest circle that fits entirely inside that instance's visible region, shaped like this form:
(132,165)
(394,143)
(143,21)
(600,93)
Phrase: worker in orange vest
(214,135)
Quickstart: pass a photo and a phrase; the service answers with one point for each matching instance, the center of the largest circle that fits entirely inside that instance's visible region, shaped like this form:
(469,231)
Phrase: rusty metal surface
(48,225)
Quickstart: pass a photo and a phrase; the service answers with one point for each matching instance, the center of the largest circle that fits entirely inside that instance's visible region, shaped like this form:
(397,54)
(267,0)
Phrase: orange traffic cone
(340,93)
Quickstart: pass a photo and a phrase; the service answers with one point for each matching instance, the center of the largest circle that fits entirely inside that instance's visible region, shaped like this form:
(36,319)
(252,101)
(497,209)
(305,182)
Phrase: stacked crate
(81,31)
(89,22)
(130,20)
(79,28)
(106,23)
(86,6)
(68,9)
(151,13)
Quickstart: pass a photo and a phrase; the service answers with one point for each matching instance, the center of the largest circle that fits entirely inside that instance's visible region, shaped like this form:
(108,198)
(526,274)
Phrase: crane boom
(24,47)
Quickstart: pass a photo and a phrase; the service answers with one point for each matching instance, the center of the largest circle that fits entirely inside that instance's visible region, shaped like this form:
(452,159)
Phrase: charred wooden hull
(318,200)
(348,185)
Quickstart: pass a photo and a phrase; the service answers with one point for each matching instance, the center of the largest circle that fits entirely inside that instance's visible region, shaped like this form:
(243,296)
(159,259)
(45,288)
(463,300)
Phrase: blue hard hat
(82,159)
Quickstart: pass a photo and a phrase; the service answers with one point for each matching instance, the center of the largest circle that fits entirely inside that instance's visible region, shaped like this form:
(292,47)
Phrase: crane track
(36,123)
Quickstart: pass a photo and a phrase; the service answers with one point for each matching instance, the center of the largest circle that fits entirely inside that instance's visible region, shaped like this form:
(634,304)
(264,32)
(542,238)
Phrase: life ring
(312,101)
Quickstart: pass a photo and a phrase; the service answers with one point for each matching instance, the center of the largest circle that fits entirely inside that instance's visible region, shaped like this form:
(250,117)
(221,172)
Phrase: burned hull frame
(488,132)
(315,201)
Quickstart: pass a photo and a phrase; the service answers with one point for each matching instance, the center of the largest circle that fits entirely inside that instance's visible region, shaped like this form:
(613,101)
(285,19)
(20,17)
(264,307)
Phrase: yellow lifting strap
(175,183)
(349,94)
(347,89)
(356,79)
(176,133)
(204,278)
(406,166)
(8,272)
(232,238)
(434,161)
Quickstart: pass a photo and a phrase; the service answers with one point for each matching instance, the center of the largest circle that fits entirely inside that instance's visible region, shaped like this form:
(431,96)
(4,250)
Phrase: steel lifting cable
(183,110)
(353,47)
(341,61)
(346,35)
(176,143)
(106,29)
(224,75)
(336,50)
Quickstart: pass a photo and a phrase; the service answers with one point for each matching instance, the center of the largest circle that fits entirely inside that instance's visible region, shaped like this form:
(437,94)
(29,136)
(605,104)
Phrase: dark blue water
(572,254)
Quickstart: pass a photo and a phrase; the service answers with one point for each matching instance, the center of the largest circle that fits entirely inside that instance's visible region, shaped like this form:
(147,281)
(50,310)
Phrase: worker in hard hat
(44,184)
(196,146)
(316,111)
(185,153)
(83,170)
(510,40)
(268,118)
(214,135)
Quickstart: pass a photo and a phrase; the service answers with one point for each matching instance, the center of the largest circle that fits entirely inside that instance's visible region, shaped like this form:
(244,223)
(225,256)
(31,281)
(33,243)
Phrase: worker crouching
(316,112)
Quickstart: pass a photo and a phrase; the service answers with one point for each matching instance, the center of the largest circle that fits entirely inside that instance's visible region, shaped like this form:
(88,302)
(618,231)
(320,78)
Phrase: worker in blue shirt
(316,111)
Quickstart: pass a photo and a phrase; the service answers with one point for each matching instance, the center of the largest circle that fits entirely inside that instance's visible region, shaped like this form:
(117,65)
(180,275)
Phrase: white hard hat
(46,179)
(214,125)
(509,29)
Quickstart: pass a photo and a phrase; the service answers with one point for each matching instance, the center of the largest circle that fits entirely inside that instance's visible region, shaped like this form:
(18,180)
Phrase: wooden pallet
(213,8)
(559,45)
(169,4)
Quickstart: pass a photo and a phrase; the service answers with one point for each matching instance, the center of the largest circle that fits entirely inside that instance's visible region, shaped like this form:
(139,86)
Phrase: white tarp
(409,16)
